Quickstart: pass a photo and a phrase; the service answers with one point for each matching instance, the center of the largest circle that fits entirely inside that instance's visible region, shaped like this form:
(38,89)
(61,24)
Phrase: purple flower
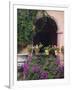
(35,69)
(58,60)
(44,75)
(29,57)
(26,68)
(61,68)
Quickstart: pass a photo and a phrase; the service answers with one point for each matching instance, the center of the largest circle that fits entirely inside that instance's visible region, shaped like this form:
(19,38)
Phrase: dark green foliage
(33,76)
(25,20)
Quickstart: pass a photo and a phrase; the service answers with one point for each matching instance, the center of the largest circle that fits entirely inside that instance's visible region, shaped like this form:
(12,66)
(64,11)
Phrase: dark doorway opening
(46,32)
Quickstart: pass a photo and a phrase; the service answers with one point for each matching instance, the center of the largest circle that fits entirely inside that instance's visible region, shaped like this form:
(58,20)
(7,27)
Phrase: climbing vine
(25,20)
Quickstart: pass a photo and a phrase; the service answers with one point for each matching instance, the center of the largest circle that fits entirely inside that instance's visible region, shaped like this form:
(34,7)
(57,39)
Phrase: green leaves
(33,76)
(25,20)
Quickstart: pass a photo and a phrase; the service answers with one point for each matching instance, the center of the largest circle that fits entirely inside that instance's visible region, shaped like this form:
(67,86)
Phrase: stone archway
(46,31)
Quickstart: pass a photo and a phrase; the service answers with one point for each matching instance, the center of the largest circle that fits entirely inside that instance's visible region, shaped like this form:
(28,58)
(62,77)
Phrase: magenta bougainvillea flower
(44,75)
(25,68)
(58,60)
(35,69)
(29,57)
(61,68)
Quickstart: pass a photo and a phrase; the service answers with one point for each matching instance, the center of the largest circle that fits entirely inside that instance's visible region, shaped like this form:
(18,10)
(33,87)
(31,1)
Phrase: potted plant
(36,48)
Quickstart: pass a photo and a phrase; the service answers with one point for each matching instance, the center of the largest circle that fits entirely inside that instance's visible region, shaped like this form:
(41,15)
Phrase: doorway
(46,32)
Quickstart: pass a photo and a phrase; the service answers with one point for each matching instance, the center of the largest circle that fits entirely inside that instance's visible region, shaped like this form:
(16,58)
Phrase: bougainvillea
(25,68)
(44,75)
(43,67)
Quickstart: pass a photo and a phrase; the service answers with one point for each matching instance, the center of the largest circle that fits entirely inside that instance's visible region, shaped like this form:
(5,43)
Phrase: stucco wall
(59,18)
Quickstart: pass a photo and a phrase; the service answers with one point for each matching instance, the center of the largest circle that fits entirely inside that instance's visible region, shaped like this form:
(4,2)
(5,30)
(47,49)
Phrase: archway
(46,31)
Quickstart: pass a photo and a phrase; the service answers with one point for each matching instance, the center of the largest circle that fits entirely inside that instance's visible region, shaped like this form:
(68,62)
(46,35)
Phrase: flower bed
(42,67)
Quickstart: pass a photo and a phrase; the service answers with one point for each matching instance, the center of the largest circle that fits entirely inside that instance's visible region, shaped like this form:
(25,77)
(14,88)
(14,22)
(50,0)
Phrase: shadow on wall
(46,31)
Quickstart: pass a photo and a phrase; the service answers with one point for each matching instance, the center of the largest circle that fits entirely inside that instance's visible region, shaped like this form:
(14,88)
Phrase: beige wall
(59,18)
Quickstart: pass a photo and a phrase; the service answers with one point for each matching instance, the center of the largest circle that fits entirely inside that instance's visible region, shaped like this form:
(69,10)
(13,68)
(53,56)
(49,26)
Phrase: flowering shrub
(43,67)
(26,68)
(35,69)
(44,75)
(58,60)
